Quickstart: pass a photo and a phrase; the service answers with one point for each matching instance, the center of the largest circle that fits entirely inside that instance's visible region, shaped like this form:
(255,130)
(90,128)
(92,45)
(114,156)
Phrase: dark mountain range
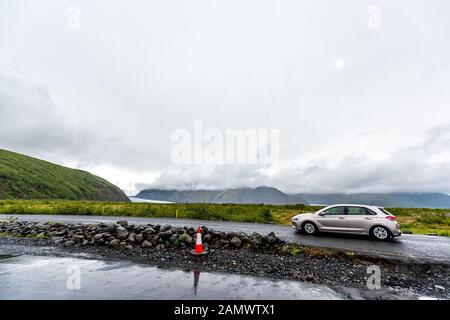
(397,199)
(266,195)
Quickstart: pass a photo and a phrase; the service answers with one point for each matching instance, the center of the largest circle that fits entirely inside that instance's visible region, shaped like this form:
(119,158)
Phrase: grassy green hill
(23,177)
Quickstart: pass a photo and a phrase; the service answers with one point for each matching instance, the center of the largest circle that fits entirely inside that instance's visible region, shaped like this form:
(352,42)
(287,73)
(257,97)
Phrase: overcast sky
(359,90)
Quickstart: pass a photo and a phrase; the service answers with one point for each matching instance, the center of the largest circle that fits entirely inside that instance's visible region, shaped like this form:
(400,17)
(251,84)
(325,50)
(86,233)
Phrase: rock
(432,234)
(190,231)
(114,243)
(236,242)
(256,235)
(59,241)
(173,238)
(179,230)
(207,238)
(270,239)
(185,238)
(310,277)
(440,288)
(59,225)
(149,232)
(123,223)
(231,235)
(58,233)
(131,238)
(69,243)
(244,238)
(155,240)
(112,228)
(122,233)
(78,238)
(214,233)
(146,244)
(139,238)
(165,234)
(41,235)
(224,242)
(257,242)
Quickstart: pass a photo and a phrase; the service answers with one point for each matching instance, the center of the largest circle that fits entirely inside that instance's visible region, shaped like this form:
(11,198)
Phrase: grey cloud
(33,123)
(422,167)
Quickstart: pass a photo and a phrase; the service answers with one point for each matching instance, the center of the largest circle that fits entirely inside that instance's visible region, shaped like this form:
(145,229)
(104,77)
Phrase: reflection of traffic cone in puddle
(198,244)
(196,279)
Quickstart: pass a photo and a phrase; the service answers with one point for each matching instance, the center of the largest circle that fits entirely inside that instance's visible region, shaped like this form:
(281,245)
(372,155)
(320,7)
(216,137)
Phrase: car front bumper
(294,225)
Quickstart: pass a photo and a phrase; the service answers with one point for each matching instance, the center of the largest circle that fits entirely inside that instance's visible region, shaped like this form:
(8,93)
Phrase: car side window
(335,211)
(356,211)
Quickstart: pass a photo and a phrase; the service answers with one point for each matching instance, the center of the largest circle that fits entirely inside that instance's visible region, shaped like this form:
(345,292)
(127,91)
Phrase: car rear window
(385,211)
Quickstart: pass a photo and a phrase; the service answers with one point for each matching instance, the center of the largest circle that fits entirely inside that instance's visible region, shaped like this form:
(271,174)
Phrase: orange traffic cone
(198,244)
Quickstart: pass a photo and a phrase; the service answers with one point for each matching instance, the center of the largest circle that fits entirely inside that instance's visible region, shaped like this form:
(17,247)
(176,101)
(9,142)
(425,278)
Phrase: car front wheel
(309,228)
(380,233)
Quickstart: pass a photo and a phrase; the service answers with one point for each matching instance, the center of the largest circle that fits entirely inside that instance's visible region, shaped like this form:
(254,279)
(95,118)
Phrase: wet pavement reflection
(42,277)
(47,277)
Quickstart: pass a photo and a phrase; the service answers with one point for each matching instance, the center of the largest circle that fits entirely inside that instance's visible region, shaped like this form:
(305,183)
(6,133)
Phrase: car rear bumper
(397,233)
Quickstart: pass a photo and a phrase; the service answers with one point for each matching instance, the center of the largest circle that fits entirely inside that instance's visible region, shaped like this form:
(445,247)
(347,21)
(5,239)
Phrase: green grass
(419,221)
(228,212)
(23,177)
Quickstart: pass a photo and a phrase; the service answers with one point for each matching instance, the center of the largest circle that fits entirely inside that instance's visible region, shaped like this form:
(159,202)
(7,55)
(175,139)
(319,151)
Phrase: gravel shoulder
(255,255)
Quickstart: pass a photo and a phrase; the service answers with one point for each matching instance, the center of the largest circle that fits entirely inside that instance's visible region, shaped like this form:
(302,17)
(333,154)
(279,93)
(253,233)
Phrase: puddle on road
(42,277)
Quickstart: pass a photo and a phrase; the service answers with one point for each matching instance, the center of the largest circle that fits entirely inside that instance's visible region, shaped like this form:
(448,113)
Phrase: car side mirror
(321,214)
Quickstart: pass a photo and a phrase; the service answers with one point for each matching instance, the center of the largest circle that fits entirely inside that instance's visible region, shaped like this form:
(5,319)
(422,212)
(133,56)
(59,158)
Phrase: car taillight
(392,218)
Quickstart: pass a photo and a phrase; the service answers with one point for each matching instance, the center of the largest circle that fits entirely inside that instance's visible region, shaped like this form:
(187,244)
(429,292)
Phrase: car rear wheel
(380,233)
(309,228)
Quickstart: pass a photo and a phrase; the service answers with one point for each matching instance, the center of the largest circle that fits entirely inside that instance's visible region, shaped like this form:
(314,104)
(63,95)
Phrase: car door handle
(367,218)
(341,218)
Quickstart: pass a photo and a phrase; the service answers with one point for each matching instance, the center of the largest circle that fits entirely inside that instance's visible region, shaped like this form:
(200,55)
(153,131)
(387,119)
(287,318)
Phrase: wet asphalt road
(425,248)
